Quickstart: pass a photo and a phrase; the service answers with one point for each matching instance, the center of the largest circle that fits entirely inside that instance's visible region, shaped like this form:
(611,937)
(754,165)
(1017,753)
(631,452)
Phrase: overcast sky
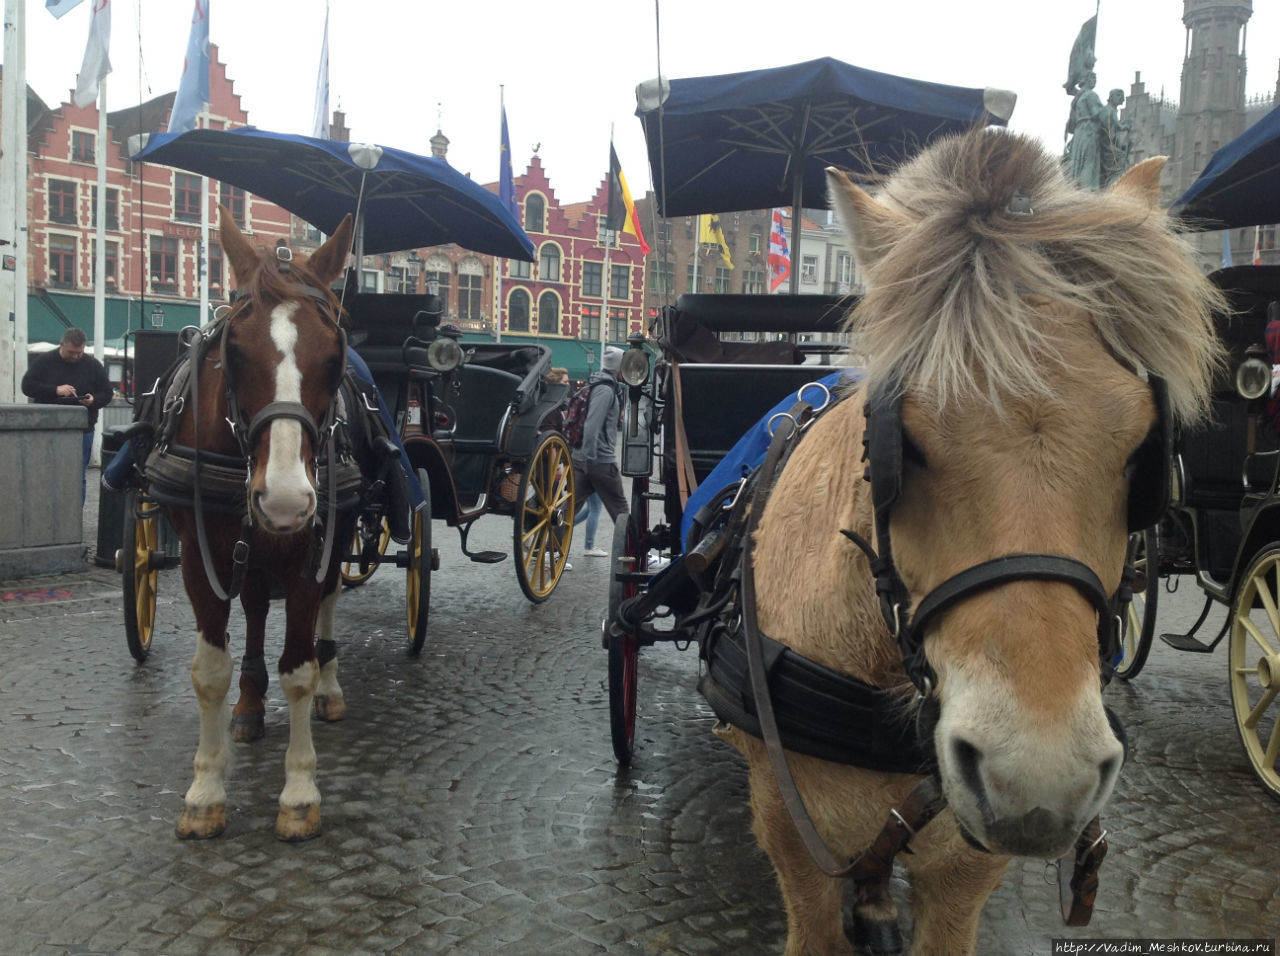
(569,67)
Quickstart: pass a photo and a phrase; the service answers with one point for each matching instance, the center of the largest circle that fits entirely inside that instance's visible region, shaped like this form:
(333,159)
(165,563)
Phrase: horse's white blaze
(299,686)
(210,678)
(1019,781)
(288,500)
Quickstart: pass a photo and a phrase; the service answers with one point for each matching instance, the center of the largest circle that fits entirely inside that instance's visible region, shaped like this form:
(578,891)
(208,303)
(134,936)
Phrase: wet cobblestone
(472,804)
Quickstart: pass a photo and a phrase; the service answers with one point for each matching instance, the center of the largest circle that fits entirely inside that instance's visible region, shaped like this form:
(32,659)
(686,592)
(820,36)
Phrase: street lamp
(157,317)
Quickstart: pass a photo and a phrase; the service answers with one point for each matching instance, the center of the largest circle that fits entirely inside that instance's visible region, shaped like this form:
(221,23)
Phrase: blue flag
(193,88)
(506,183)
(1226,249)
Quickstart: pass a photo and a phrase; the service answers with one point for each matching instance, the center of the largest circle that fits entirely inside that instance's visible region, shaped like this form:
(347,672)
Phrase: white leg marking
(288,499)
(300,790)
(210,677)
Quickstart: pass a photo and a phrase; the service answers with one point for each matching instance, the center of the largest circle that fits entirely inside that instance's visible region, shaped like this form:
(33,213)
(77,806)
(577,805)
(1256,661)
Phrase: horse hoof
(246,728)
(202,823)
(295,824)
(330,707)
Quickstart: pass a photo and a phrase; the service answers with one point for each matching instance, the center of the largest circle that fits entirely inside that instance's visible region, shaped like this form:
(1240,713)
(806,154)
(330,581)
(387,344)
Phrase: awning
(49,314)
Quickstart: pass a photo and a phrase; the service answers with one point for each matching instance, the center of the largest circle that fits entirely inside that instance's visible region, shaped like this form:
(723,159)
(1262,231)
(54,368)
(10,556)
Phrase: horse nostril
(968,761)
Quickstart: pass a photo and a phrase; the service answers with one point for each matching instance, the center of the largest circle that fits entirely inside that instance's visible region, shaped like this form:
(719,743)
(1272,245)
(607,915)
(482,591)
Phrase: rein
(871,869)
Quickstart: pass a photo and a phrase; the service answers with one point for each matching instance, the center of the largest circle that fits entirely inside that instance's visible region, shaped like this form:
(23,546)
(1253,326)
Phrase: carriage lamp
(445,354)
(634,368)
(1253,377)
(157,317)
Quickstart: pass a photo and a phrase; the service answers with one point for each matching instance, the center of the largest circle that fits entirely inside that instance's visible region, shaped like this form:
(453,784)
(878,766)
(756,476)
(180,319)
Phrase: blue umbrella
(400,200)
(763,138)
(1238,186)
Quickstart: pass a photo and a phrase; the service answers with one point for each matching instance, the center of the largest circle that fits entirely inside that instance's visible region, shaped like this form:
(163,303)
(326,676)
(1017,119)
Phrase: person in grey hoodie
(595,465)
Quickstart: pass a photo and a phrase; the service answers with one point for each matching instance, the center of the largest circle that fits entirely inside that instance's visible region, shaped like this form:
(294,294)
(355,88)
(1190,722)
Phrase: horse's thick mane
(945,311)
(268,285)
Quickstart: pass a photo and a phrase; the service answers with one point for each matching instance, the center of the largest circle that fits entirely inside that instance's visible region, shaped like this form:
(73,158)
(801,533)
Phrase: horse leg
(813,901)
(948,892)
(248,716)
(204,812)
(329,702)
(299,816)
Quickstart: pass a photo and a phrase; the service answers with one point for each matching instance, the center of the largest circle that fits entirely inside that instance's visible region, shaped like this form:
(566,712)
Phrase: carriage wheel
(1254,661)
(544,522)
(624,649)
(417,588)
(366,551)
(141,539)
(1141,627)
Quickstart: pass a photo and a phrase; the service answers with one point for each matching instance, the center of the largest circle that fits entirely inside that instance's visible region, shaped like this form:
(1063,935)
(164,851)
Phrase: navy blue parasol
(400,200)
(1239,185)
(763,138)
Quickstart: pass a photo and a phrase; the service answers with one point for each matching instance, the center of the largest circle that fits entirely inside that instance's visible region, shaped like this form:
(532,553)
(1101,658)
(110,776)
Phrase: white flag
(320,122)
(59,7)
(97,61)
(193,87)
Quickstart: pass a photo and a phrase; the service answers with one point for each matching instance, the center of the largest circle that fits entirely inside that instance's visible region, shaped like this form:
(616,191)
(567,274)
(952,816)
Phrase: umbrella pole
(797,197)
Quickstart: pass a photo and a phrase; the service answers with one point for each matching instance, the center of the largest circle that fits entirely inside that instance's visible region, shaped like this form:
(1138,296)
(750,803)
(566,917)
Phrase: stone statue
(1087,127)
(1115,149)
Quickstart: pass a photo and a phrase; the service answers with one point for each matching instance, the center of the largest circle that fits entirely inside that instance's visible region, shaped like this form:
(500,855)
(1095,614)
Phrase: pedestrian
(589,514)
(66,376)
(595,464)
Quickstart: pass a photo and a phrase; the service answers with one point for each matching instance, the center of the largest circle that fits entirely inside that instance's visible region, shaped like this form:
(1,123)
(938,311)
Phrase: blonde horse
(1022,324)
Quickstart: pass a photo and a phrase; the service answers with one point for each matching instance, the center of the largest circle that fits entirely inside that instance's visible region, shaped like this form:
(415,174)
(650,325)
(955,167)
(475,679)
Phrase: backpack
(575,415)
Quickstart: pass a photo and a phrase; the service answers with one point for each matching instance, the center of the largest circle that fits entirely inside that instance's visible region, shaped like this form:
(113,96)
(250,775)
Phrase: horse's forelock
(991,220)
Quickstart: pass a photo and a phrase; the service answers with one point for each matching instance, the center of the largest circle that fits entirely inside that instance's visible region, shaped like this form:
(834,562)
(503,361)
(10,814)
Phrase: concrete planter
(41,530)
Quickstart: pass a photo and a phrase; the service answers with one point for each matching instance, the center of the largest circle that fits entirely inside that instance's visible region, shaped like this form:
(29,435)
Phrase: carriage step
(1185,642)
(487,557)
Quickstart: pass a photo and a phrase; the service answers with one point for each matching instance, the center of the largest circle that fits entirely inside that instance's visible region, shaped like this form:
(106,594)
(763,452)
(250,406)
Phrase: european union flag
(506,183)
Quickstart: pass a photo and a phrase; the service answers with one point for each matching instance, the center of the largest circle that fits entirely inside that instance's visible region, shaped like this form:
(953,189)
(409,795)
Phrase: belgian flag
(622,215)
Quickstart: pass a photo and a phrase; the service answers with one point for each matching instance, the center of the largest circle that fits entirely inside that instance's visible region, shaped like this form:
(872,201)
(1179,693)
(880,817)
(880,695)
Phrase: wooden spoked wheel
(624,648)
(1141,624)
(140,578)
(1254,662)
(367,548)
(417,589)
(543,526)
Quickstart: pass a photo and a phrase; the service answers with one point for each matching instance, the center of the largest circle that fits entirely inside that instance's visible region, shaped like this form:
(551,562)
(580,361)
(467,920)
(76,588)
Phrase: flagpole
(497,278)
(604,279)
(13,179)
(100,256)
(204,236)
(697,250)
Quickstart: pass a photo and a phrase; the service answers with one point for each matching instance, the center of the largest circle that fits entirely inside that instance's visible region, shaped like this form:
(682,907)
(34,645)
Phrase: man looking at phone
(66,376)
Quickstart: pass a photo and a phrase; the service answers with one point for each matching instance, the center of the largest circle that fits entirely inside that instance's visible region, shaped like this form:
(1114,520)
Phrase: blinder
(883,449)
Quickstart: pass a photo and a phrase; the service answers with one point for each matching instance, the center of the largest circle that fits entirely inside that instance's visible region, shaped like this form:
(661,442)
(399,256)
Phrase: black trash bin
(110,503)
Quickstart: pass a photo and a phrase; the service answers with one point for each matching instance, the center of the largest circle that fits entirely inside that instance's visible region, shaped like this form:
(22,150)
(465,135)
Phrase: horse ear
(330,259)
(871,226)
(239,252)
(1143,180)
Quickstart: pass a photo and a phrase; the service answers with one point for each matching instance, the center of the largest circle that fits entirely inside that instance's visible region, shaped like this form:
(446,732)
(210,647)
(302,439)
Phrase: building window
(518,311)
(722,279)
(535,213)
(844,270)
(438,269)
(519,269)
(164,264)
(753,242)
(112,272)
(662,277)
(371,280)
(82,147)
(606,236)
(1267,239)
(590,325)
(549,263)
(186,197)
(663,233)
(233,198)
(113,209)
(548,314)
(592,274)
(620,281)
(62,262)
(703,279)
(215,269)
(470,296)
(753,281)
(618,325)
(62,202)
(809,269)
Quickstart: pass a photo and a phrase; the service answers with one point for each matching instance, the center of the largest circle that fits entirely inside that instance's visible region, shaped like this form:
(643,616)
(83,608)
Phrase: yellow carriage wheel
(417,589)
(1254,662)
(139,577)
(1140,625)
(544,517)
(365,553)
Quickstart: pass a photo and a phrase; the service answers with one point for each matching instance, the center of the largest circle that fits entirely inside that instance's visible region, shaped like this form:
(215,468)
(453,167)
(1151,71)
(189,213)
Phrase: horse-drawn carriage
(1223,527)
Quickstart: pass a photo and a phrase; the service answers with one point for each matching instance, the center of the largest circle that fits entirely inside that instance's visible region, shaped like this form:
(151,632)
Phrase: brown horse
(1021,324)
(263,392)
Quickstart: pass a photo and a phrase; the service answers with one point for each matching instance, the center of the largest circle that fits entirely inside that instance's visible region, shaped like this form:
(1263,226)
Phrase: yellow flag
(709,231)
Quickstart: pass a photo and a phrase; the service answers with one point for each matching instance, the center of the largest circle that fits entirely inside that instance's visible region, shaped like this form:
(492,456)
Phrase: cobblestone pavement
(471,801)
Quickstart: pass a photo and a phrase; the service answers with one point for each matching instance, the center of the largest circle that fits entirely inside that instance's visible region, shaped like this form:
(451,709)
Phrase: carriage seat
(1212,456)
(381,322)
